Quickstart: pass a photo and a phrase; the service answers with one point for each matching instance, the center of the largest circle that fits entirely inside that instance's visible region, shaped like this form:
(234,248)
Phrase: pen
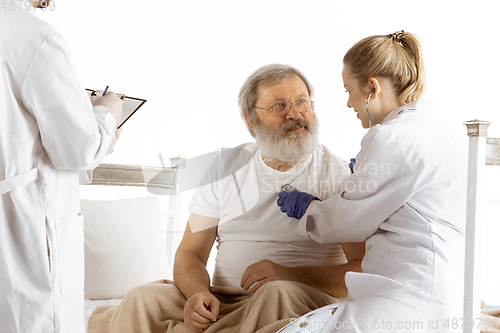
(105,90)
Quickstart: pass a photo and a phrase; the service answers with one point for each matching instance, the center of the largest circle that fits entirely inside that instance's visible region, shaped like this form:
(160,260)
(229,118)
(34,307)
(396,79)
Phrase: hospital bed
(482,151)
(130,240)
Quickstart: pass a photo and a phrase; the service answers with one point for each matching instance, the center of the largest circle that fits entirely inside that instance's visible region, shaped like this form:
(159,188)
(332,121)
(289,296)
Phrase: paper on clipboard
(130,104)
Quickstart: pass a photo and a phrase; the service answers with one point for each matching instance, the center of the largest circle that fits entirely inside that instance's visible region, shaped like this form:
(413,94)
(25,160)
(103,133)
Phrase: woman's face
(357,97)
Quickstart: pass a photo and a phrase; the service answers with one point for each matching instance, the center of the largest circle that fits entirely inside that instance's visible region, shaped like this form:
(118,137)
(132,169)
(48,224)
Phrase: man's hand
(262,272)
(200,309)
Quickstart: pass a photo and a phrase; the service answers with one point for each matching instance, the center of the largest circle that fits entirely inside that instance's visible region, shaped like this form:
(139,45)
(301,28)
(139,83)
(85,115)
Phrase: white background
(189,59)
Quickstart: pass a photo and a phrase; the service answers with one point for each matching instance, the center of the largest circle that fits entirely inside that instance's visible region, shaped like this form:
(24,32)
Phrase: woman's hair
(266,75)
(397,57)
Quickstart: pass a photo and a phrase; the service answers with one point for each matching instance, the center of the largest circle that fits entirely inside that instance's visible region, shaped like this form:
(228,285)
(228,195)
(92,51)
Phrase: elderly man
(264,274)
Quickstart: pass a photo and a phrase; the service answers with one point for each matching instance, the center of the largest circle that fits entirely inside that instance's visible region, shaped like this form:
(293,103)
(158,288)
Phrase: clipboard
(130,104)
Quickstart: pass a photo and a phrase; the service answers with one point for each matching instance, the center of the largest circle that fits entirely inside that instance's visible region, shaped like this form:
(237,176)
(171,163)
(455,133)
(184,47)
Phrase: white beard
(284,146)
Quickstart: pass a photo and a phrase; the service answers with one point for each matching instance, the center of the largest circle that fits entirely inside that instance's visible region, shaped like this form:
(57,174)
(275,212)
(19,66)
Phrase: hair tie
(397,36)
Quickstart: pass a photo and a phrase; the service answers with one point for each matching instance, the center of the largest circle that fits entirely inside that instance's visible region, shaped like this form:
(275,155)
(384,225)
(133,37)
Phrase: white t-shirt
(252,227)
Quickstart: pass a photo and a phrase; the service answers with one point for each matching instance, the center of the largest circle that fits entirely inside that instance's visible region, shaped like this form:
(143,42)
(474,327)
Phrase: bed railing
(133,175)
(482,151)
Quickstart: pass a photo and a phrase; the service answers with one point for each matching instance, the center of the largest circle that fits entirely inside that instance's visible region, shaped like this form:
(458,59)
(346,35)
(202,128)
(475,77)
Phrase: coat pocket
(409,267)
(70,246)
(406,276)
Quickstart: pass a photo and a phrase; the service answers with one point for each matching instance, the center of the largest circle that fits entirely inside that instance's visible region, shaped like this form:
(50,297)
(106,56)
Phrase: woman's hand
(295,203)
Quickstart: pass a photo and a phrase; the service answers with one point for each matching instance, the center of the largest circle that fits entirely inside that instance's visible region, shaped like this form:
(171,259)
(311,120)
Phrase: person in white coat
(406,198)
(49,131)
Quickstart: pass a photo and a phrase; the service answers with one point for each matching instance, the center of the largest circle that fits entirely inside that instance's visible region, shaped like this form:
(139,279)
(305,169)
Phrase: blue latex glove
(294,203)
(351,165)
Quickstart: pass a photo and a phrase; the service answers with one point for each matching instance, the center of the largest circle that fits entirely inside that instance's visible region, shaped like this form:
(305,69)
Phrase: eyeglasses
(282,109)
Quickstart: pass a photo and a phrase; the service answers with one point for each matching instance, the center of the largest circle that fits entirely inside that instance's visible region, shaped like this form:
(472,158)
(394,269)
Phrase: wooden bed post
(477,131)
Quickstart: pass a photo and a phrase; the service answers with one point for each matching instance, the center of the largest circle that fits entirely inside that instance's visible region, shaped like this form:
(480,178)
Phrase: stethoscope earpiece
(366,106)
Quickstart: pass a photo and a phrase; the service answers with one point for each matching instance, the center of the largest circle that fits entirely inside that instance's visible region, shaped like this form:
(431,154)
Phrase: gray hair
(269,74)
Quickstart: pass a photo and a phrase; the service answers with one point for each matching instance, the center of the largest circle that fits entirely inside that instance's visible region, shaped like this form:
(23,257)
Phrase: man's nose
(293,113)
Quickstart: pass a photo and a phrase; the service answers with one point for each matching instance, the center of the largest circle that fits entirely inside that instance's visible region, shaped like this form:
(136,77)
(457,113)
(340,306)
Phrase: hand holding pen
(112,102)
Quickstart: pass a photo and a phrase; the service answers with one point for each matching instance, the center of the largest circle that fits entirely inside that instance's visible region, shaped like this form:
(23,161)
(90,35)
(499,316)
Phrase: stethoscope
(366,107)
(288,187)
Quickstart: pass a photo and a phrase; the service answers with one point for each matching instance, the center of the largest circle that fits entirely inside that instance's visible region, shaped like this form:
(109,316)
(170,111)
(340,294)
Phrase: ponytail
(397,57)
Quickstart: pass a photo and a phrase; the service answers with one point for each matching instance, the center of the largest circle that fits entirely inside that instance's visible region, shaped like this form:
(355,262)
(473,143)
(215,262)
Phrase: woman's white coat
(48,132)
(406,198)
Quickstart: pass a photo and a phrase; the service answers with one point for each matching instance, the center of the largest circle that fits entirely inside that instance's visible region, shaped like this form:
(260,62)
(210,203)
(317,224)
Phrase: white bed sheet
(90,305)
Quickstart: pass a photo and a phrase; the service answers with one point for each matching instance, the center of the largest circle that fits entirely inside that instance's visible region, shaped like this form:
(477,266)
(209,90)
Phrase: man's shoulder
(327,164)
(321,174)
(233,159)
(327,156)
(246,151)
(248,146)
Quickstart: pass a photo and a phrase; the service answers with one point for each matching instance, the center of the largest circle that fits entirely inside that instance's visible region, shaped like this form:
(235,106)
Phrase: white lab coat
(406,198)
(48,132)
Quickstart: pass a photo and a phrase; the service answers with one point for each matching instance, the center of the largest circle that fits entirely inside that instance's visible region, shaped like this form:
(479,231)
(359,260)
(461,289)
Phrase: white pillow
(123,245)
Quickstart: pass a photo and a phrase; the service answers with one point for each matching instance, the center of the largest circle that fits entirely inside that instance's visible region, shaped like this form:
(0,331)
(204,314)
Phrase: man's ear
(374,86)
(248,120)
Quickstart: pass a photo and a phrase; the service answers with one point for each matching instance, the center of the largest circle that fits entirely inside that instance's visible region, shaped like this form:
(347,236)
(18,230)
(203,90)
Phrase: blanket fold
(157,308)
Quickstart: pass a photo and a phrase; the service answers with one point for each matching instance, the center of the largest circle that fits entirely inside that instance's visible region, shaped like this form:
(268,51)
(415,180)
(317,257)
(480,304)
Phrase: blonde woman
(406,198)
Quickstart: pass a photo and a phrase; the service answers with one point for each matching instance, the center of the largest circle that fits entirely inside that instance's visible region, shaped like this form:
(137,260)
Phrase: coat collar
(424,105)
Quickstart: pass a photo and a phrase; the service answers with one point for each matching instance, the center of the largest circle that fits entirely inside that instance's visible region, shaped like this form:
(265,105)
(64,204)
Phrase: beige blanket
(490,320)
(157,307)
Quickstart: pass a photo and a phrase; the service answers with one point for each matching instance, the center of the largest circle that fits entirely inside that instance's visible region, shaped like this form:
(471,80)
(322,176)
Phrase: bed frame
(479,147)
